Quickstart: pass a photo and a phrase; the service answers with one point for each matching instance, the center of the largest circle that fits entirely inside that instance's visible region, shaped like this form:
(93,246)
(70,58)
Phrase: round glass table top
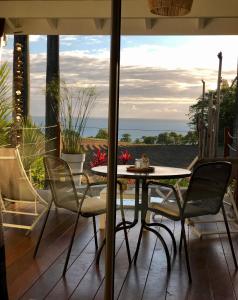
(159,172)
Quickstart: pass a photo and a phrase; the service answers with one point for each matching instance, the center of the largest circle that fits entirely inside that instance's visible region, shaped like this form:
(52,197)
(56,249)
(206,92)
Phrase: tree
(102,134)
(126,137)
(190,138)
(149,139)
(227,108)
(175,137)
(166,138)
(137,141)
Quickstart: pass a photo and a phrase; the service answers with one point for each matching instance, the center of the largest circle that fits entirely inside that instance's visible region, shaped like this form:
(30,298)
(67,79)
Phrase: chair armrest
(177,195)
(88,180)
(83,174)
(97,183)
(151,182)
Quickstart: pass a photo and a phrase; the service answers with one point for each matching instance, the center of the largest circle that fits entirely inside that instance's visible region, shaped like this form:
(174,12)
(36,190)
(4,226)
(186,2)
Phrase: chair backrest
(207,187)
(14,182)
(61,181)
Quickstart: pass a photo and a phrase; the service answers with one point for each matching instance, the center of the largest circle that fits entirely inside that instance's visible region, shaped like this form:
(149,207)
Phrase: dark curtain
(3,277)
(2,23)
(52,96)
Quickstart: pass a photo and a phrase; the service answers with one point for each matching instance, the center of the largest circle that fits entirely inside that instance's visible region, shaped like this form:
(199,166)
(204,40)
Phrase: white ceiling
(93,17)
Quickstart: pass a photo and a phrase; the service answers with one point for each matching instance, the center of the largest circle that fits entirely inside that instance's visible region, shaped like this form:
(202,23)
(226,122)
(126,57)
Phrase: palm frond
(5,105)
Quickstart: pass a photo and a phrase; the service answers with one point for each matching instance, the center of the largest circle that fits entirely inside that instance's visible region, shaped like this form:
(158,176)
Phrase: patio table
(159,172)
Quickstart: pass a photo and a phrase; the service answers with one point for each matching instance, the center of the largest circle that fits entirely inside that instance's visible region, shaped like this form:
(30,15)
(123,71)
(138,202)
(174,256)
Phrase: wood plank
(136,278)
(228,255)
(201,286)
(29,269)
(216,273)
(157,281)
(212,266)
(53,274)
(84,261)
(64,288)
(122,267)
(91,282)
(18,244)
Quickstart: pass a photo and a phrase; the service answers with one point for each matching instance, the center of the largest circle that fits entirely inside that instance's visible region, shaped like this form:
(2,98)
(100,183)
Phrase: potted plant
(76,104)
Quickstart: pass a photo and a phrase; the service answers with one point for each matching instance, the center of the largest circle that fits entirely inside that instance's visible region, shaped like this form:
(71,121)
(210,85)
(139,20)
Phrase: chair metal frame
(228,200)
(78,214)
(181,203)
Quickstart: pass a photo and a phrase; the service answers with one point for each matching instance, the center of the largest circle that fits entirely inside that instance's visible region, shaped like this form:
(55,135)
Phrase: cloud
(156,81)
(36,38)
(68,38)
(196,52)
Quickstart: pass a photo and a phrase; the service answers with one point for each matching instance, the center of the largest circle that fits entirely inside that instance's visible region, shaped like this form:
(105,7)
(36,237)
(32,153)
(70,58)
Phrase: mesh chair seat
(94,205)
(193,209)
(91,205)
(166,209)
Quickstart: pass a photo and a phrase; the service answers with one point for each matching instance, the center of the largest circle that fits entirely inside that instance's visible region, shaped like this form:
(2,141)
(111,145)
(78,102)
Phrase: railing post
(227,141)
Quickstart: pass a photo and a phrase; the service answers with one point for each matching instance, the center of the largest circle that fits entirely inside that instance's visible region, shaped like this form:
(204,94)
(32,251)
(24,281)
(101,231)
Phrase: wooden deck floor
(213,272)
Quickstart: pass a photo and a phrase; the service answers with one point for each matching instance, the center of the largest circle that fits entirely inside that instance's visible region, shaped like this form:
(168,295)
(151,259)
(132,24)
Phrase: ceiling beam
(102,9)
(99,23)
(202,23)
(14,24)
(53,23)
(150,23)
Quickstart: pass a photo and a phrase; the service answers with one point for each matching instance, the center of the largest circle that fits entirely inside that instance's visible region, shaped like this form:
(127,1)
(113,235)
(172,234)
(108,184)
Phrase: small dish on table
(133,169)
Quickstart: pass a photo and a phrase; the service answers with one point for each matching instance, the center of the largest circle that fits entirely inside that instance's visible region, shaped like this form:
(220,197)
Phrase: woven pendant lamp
(170,7)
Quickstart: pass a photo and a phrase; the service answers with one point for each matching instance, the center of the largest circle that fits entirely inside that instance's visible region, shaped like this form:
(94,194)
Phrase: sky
(160,75)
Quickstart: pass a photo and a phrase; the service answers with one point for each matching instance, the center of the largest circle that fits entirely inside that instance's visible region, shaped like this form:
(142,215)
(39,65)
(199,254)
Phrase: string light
(18,82)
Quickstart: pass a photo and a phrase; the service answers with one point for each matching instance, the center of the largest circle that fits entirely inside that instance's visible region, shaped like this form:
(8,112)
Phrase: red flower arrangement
(99,158)
(125,157)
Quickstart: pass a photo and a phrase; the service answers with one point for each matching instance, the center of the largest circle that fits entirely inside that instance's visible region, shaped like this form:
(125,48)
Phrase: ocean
(135,127)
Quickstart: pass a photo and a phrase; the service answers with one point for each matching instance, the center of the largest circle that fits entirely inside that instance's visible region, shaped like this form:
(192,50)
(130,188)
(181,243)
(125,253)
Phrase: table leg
(144,200)
(145,225)
(123,225)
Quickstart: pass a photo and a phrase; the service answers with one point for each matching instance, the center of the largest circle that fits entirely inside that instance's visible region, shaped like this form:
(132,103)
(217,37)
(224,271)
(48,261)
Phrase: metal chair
(204,196)
(65,195)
